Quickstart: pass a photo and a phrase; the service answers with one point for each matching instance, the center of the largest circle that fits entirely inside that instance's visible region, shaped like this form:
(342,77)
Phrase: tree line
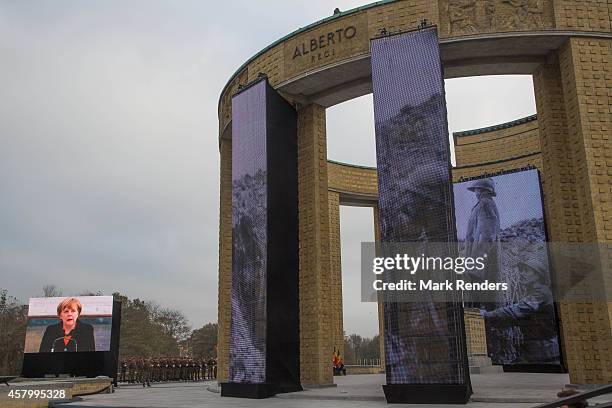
(358,349)
(147,330)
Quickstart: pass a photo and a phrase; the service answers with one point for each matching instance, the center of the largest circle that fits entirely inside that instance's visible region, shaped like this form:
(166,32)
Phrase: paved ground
(504,387)
(357,391)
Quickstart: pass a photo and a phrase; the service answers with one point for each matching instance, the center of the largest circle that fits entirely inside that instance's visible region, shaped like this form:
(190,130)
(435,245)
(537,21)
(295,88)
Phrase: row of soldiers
(143,370)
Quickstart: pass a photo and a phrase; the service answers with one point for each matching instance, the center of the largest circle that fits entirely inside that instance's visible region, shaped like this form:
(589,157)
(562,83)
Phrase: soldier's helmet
(485,184)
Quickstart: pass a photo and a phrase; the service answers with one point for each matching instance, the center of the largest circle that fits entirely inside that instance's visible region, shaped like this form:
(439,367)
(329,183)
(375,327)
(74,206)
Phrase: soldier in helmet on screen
(482,240)
(483,229)
(534,314)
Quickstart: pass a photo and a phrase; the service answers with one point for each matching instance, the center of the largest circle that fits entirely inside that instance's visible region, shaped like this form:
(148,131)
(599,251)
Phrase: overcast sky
(108,143)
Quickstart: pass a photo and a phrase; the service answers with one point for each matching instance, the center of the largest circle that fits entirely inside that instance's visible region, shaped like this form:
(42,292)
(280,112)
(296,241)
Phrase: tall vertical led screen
(425,352)
(264,334)
(501,217)
(249,217)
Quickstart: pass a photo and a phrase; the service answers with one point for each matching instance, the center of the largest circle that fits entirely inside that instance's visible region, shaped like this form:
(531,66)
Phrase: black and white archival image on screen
(424,341)
(502,218)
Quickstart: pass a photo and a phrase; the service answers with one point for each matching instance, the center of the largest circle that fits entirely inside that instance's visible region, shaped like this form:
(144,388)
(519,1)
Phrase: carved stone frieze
(464,17)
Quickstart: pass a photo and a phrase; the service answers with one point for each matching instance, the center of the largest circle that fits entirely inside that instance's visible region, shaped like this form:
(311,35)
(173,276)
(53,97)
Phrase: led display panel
(249,218)
(69,324)
(501,217)
(264,333)
(424,341)
(73,335)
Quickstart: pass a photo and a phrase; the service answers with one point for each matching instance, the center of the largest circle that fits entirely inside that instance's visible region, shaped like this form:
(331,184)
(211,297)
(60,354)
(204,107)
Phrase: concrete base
(427,394)
(483,365)
(245,390)
(318,386)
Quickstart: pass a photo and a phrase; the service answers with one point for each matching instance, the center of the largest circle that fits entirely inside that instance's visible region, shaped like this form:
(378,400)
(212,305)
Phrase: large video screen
(501,217)
(423,340)
(249,236)
(69,324)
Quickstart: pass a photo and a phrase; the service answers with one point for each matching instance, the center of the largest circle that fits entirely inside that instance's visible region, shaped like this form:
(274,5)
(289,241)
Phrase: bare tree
(51,291)
(13,318)
(91,293)
(172,321)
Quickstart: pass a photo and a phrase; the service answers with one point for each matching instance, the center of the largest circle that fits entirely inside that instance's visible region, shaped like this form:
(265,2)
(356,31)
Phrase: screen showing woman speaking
(69,324)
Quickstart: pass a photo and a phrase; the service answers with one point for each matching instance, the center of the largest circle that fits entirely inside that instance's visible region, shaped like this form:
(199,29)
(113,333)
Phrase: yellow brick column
(335,268)
(574,120)
(585,66)
(558,184)
(225,260)
(381,305)
(316,345)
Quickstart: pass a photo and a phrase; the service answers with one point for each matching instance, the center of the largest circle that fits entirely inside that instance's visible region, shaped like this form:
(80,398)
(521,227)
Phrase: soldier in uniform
(209,367)
(180,369)
(193,370)
(165,369)
(122,378)
(186,369)
(157,370)
(131,370)
(147,371)
(138,370)
(175,368)
(534,314)
(204,369)
(201,369)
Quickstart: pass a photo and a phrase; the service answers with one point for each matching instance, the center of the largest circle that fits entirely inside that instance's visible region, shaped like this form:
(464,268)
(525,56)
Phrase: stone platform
(505,390)
(514,388)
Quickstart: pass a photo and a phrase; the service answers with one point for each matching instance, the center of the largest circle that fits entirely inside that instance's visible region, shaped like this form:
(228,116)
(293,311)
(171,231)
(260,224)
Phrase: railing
(581,397)
(367,362)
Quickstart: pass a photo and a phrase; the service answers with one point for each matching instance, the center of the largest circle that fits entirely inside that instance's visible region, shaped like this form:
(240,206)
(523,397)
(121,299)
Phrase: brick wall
(352,179)
(583,15)
(225,261)
(505,144)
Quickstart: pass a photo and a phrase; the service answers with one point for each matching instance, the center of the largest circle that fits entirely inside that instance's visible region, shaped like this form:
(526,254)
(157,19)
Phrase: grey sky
(108,142)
